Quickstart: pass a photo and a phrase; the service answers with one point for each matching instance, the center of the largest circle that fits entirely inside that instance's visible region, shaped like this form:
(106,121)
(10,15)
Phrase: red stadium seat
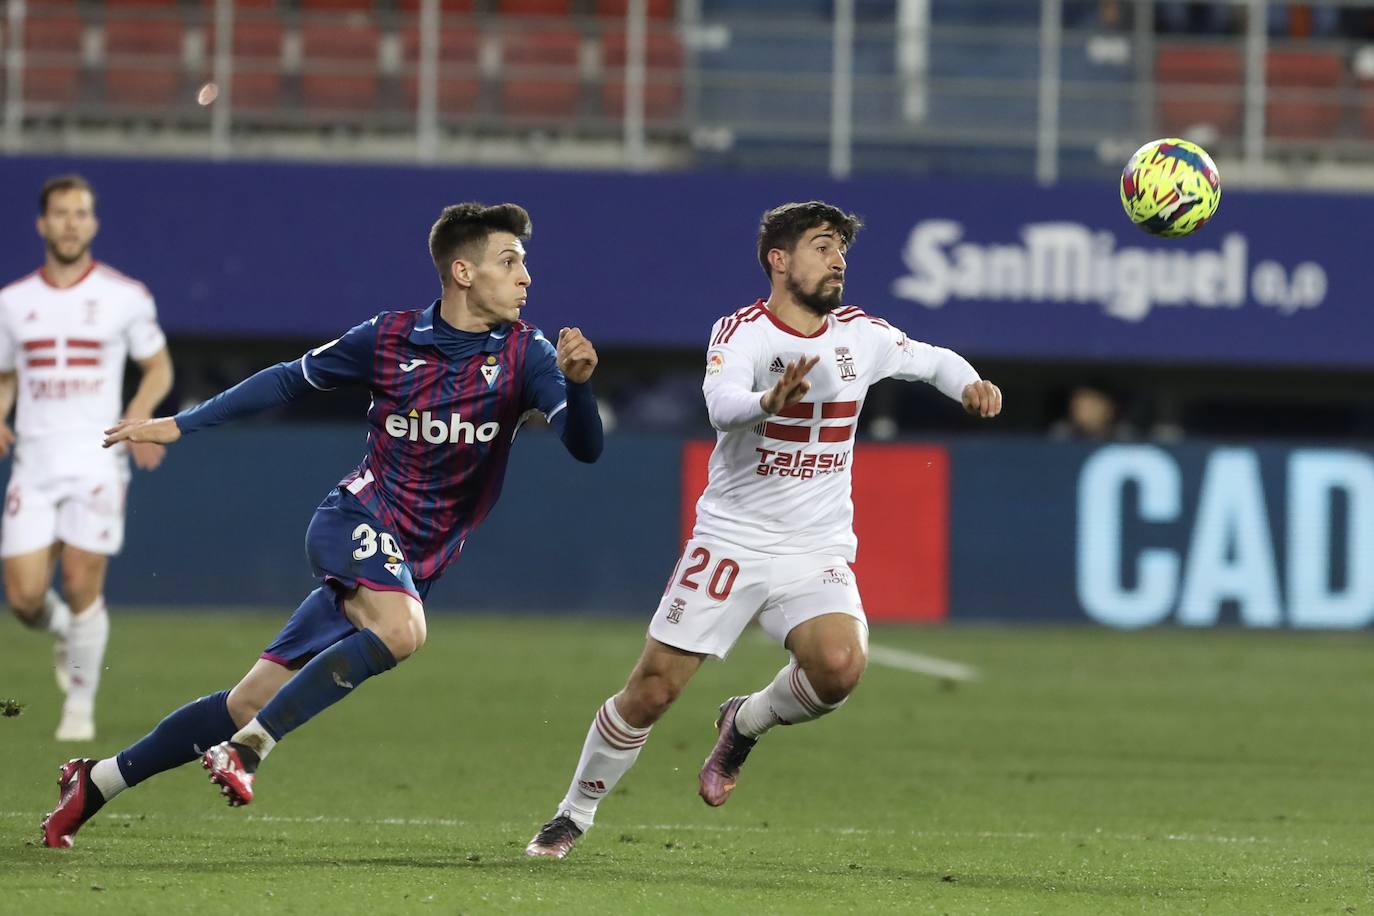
(52,45)
(1314,113)
(257,80)
(534,7)
(336,6)
(143,65)
(658,9)
(540,68)
(1200,86)
(459,82)
(663,75)
(447,7)
(339,65)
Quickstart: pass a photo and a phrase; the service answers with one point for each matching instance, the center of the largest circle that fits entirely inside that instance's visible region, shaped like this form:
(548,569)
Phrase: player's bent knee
(404,636)
(836,672)
(25,603)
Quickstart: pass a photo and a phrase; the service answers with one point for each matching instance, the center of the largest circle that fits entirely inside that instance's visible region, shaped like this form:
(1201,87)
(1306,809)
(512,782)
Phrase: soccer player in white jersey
(774,536)
(66,331)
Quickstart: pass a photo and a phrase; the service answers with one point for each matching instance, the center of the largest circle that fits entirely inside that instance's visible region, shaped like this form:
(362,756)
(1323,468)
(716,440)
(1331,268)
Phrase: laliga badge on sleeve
(714,363)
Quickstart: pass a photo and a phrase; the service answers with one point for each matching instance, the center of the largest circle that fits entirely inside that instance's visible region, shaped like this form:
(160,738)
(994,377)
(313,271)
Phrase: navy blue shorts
(347,547)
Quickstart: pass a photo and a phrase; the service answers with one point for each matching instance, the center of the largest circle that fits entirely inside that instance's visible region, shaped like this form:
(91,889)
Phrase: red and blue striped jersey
(440,425)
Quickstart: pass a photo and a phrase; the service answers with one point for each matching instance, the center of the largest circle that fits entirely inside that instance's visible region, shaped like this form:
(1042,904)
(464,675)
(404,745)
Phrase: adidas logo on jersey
(777,365)
(434,430)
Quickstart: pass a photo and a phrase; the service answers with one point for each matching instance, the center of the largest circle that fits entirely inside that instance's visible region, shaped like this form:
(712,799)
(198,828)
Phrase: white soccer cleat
(76,725)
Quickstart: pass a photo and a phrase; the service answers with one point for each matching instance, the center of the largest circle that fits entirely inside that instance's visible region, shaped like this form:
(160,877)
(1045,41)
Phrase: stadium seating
(534,7)
(657,9)
(143,62)
(52,46)
(1200,85)
(1312,111)
(540,76)
(460,86)
(339,65)
(663,79)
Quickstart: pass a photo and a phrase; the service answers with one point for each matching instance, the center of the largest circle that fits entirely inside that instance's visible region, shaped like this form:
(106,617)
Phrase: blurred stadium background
(1184,438)
(1187,441)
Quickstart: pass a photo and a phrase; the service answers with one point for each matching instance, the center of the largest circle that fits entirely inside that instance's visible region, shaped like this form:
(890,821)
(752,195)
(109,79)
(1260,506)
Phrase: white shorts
(84,512)
(716,590)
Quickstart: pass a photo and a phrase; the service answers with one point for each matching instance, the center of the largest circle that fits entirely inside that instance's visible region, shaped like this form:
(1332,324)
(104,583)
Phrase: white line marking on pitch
(707,828)
(921,664)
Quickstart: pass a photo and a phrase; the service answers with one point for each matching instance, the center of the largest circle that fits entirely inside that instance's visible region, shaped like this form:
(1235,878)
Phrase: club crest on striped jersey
(490,370)
(845,360)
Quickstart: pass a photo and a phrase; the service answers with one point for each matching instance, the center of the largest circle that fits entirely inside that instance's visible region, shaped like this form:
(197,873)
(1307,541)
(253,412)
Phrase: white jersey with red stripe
(69,347)
(781,484)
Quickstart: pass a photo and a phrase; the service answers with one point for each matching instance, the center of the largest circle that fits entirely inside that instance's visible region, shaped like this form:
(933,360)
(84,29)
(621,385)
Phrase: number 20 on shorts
(722,577)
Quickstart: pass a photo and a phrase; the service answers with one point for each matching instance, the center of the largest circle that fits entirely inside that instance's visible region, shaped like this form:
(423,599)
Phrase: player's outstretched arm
(983,399)
(158,431)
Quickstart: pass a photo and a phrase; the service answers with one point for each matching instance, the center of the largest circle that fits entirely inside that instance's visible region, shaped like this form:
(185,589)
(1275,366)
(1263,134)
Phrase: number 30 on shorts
(722,577)
(369,539)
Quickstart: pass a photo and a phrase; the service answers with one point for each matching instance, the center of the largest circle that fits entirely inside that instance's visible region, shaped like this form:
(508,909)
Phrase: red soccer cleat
(720,772)
(231,767)
(77,801)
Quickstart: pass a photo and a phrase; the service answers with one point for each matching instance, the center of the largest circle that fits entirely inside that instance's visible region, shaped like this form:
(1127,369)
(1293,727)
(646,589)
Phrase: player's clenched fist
(791,388)
(576,355)
(162,430)
(983,399)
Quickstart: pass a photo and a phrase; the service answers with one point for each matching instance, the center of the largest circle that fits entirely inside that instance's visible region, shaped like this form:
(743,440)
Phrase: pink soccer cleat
(720,772)
(231,767)
(77,801)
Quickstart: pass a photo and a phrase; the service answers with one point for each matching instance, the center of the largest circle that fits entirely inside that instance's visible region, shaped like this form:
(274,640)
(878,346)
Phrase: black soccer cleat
(555,839)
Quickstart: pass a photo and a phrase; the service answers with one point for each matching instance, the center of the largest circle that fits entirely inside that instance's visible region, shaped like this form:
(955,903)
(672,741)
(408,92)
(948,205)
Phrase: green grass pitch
(1086,771)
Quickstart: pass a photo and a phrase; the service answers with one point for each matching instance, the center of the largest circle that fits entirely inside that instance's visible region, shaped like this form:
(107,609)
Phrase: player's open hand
(983,399)
(147,455)
(162,431)
(576,355)
(791,388)
(6,439)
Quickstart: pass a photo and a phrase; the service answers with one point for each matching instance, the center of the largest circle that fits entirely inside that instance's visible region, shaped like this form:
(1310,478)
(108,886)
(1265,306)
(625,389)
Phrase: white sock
(610,750)
(107,778)
(58,615)
(256,737)
(789,700)
(86,638)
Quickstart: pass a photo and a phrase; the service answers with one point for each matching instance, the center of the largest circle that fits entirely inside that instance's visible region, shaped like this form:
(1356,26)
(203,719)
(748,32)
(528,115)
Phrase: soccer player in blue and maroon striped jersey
(450,386)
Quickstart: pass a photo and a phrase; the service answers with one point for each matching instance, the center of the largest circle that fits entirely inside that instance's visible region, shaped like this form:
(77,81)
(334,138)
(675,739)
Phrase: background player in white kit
(774,536)
(66,331)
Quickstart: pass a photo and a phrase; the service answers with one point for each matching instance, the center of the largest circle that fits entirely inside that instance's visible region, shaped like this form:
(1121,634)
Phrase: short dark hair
(464,225)
(782,227)
(57,183)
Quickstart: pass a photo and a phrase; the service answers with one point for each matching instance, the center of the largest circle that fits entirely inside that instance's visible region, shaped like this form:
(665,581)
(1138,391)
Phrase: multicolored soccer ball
(1170,187)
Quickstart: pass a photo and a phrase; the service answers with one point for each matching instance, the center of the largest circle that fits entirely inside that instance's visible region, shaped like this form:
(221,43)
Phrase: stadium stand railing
(1018,87)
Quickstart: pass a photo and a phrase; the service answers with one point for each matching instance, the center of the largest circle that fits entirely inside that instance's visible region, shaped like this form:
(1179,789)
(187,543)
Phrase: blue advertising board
(1134,535)
(992,269)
